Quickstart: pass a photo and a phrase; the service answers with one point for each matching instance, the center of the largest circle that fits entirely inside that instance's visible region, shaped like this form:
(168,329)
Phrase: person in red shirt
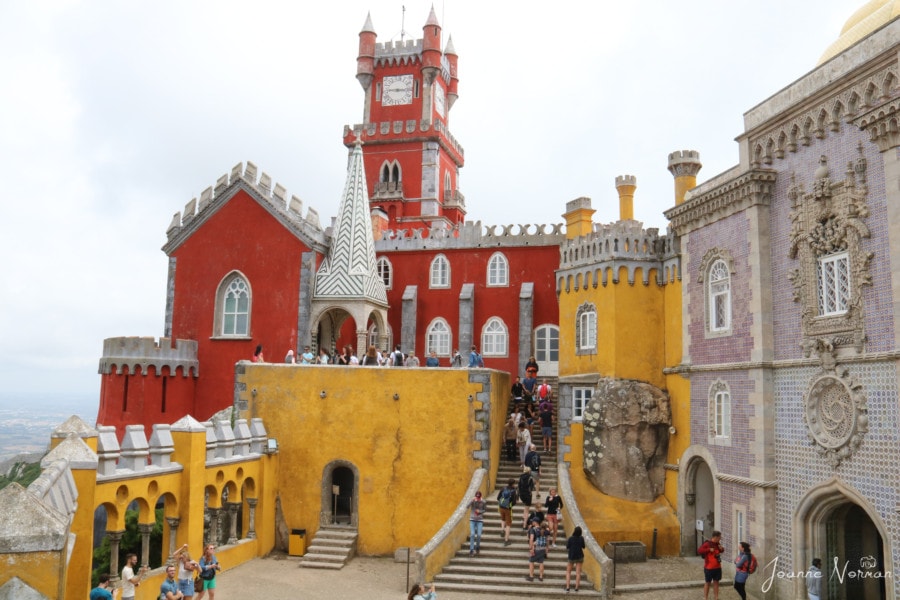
(712,564)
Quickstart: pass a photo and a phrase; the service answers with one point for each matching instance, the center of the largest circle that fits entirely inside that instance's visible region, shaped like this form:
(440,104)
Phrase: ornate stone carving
(835,411)
(711,256)
(626,438)
(826,221)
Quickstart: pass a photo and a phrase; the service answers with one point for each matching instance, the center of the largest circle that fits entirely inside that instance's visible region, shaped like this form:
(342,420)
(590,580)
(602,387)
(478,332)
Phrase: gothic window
(581,396)
(498,271)
(233,303)
(390,172)
(834,284)
(586,329)
(447,182)
(440,272)
(383,266)
(719,297)
(494,338)
(719,412)
(437,338)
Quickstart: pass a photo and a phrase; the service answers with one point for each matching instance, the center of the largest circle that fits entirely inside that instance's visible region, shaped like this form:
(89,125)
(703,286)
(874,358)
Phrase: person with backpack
(475,360)
(397,357)
(506,499)
(533,460)
(525,488)
(712,564)
(744,565)
(544,392)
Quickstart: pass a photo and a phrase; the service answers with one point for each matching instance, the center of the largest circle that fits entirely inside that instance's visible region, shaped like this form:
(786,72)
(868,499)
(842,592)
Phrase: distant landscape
(26,423)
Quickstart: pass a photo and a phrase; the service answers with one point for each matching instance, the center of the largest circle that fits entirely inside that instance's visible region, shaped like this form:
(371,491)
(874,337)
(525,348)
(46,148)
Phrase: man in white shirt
(130,580)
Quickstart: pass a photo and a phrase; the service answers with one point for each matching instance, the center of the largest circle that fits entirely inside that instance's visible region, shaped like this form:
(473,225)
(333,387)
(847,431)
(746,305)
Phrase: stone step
(536,589)
(331,548)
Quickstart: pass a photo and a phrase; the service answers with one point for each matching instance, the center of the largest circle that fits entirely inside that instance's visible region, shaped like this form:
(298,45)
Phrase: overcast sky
(113,115)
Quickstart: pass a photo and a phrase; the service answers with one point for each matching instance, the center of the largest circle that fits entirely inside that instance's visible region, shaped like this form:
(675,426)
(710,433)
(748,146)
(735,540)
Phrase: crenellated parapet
(141,353)
(615,245)
(471,234)
(273,197)
(389,131)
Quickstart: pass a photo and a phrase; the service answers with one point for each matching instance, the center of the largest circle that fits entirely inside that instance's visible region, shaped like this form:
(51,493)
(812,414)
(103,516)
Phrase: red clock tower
(411,160)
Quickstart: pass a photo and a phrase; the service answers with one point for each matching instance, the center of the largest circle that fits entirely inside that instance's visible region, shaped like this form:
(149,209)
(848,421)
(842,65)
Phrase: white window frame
(498,271)
(740,525)
(438,337)
(719,297)
(494,338)
(234,282)
(833,299)
(385,271)
(580,398)
(722,413)
(440,272)
(587,330)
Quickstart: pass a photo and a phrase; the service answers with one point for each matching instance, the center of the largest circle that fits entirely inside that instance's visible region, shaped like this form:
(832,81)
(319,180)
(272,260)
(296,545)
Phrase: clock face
(397,90)
(440,104)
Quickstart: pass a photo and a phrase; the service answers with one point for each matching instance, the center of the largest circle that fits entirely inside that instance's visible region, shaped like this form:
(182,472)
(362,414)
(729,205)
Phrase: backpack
(526,484)
(543,390)
(752,564)
(398,358)
(506,496)
(535,462)
(479,361)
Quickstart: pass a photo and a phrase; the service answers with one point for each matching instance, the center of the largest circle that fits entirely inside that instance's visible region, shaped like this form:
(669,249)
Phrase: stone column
(251,504)
(146,529)
(213,525)
(114,538)
(232,521)
(173,530)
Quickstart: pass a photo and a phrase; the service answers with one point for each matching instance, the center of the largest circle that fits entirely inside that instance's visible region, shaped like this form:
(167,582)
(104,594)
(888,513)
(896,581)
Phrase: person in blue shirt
(432,360)
(475,360)
(101,592)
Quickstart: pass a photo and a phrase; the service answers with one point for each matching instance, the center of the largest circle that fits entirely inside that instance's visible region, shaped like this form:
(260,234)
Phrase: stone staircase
(332,547)
(501,570)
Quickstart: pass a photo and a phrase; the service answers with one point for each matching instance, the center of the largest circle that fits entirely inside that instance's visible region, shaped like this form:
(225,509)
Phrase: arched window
(719,411)
(437,338)
(383,266)
(494,338)
(834,284)
(447,182)
(719,294)
(586,329)
(498,271)
(440,272)
(233,303)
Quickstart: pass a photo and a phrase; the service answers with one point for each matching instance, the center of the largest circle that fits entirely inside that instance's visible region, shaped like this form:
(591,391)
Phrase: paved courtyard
(279,577)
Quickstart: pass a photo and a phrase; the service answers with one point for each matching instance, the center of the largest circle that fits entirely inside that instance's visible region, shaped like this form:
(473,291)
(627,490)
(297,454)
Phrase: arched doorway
(340,494)
(698,504)
(839,526)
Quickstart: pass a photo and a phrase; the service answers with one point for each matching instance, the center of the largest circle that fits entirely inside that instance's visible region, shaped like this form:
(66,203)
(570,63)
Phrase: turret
(431,48)
(625,185)
(579,218)
(684,165)
(453,59)
(365,61)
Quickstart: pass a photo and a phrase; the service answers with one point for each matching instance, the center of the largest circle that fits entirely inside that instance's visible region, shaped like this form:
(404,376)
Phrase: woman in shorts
(575,550)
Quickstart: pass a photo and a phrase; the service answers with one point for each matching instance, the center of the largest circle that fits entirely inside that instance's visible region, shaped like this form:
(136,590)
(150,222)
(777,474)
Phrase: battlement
(626,180)
(471,234)
(143,352)
(405,52)
(388,130)
(684,162)
(624,243)
(275,196)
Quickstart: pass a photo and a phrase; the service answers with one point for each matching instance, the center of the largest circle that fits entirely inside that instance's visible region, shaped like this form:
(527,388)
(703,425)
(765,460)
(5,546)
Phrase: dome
(871,16)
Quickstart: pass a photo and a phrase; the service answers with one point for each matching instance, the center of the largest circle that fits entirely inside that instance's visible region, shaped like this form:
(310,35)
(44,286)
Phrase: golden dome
(871,16)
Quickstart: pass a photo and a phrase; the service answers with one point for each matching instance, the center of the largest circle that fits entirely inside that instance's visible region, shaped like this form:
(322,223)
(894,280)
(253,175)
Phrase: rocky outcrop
(626,438)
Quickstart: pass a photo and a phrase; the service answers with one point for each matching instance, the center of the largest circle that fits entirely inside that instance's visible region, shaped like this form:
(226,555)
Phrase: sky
(113,115)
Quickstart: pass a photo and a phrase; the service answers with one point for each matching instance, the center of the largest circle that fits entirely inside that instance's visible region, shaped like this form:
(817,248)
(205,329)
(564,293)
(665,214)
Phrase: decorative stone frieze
(824,222)
(732,196)
(882,124)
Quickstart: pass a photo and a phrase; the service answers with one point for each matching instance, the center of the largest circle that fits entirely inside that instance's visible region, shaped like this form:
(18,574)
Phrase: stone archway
(340,494)
(698,498)
(837,524)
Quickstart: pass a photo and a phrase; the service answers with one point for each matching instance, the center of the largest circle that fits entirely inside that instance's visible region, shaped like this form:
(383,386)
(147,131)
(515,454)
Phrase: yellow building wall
(678,386)
(43,571)
(410,433)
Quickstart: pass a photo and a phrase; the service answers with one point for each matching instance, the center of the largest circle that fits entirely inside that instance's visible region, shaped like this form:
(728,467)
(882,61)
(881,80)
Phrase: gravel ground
(279,577)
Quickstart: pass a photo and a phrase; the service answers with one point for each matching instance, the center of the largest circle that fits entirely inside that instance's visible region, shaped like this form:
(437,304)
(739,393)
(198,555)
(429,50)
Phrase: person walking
(533,460)
(209,566)
(711,550)
(258,355)
(506,500)
(742,570)
(476,523)
(371,358)
(537,550)
(525,489)
(546,419)
(554,505)
(523,441)
(814,580)
(517,391)
(575,557)
(475,360)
